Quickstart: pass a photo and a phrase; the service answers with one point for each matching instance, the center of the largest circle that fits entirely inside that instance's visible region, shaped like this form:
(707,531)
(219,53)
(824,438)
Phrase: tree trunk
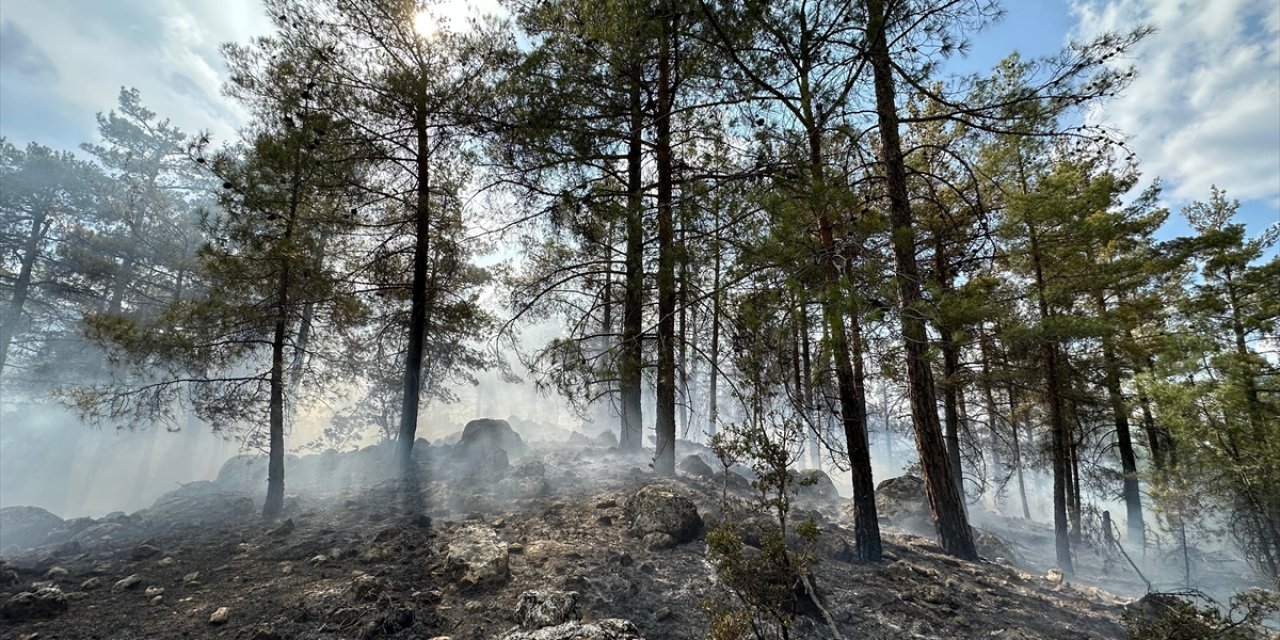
(1016,425)
(22,285)
(940,484)
(1057,422)
(950,409)
(665,456)
(1124,441)
(631,437)
(418,297)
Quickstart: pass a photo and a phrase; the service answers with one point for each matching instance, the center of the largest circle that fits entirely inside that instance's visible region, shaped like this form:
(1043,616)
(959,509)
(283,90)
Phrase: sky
(1205,109)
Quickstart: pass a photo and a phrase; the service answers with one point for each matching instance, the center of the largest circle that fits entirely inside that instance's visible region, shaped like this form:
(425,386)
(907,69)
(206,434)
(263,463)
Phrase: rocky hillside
(499,539)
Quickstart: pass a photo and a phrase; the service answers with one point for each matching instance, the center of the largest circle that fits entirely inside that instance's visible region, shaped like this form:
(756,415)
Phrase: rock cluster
(661,518)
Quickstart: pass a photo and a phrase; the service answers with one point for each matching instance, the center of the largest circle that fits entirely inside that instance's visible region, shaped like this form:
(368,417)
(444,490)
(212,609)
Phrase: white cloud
(1205,108)
(167,49)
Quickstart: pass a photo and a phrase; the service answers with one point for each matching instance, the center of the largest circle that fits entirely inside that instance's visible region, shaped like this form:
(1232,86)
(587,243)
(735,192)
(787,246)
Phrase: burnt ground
(373,561)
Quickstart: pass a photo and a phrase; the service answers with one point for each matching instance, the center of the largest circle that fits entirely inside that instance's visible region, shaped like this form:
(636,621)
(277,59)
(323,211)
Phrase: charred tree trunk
(950,404)
(631,437)
(665,456)
(1015,426)
(418,297)
(940,484)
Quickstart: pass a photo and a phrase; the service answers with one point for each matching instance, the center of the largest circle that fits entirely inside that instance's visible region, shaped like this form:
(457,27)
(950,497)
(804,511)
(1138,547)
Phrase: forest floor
(453,558)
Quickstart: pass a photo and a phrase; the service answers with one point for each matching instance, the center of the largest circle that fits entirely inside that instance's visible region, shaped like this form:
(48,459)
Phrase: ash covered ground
(503,537)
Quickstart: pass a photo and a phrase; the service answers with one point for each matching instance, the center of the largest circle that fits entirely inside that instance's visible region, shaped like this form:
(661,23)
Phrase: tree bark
(631,437)
(940,484)
(1124,440)
(418,296)
(665,456)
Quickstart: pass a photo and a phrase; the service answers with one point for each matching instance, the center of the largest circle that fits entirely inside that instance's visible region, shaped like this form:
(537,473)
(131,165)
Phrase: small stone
(220,616)
(144,551)
(625,559)
(515,547)
(191,577)
(1054,576)
(156,600)
(56,572)
(167,561)
(388,534)
(607,504)
(286,567)
(605,521)
(662,614)
(124,584)
(152,592)
(318,560)
(91,584)
(645,567)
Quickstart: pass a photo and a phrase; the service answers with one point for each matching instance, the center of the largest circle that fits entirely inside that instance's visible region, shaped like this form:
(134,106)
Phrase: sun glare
(425,23)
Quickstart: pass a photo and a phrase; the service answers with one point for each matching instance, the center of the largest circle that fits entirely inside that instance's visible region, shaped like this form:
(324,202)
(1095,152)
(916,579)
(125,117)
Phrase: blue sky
(1205,109)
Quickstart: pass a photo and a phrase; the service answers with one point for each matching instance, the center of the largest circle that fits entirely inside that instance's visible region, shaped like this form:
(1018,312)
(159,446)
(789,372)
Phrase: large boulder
(487,434)
(26,527)
(654,510)
(48,602)
(695,466)
(478,558)
(243,473)
(608,629)
(902,502)
(538,609)
(815,484)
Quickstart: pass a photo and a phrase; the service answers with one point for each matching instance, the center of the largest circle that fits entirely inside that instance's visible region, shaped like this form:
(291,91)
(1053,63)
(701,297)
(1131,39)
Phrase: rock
(220,616)
(658,541)
(367,588)
(605,439)
(165,562)
(993,547)
(902,502)
(191,577)
(655,510)
(388,534)
(538,609)
(607,504)
(152,592)
(91,584)
(156,600)
(608,629)
(734,480)
(815,484)
(284,529)
(244,473)
(487,434)
(26,527)
(1054,576)
(478,557)
(694,466)
(529,469)
(97,534)
(125,584)
(144,551)
(40,604)
(55,573)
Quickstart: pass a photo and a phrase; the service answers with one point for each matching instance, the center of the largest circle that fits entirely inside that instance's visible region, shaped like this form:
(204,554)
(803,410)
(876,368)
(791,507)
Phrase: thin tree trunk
(940,484)
(1015,426)
(40,224)
(418,297)
(1057,422)
(1124,441)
